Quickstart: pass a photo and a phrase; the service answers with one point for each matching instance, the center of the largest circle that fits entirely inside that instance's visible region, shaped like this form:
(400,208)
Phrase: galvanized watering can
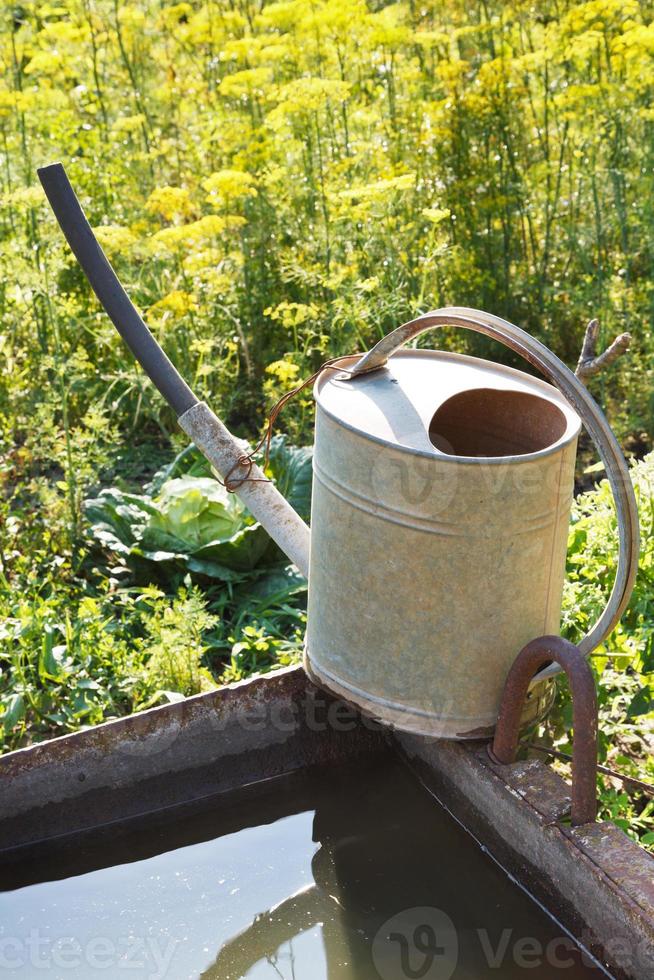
(441,499)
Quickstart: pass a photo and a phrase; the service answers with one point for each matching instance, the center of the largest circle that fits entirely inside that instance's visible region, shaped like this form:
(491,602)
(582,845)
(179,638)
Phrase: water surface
(353,874)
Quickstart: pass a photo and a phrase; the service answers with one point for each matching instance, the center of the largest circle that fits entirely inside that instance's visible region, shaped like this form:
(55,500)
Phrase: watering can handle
(587,409)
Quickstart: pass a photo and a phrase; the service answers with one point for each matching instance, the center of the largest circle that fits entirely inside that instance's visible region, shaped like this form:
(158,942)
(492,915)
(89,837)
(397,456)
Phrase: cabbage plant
(188,519)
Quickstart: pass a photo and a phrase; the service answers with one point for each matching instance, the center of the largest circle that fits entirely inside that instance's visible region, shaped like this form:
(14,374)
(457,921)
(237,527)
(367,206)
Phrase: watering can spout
(206,430)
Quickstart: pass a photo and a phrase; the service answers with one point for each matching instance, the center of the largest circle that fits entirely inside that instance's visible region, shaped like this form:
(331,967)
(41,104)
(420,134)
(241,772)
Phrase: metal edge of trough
(210,743)
(594,879)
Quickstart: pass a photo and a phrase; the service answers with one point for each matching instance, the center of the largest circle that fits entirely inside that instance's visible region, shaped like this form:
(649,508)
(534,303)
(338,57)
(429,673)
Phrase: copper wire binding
(246,461)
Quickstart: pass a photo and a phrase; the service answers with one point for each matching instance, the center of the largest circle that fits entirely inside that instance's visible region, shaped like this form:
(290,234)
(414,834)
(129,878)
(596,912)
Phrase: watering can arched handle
(590,414)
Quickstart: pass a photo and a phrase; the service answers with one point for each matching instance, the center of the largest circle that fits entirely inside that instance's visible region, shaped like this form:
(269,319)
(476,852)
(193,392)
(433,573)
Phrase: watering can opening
(447,406)
(492,422)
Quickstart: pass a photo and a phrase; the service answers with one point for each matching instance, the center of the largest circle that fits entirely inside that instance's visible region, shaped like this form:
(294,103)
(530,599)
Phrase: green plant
(267,625)
(174,647)
(591,570)
(624,666)
(191,521)
(65,662)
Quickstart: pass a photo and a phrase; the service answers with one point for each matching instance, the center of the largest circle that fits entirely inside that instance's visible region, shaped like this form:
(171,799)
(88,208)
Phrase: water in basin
(354,873)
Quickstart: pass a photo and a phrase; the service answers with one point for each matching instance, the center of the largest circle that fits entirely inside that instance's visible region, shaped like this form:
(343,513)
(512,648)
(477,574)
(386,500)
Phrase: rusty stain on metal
(584,706)
(537,784)
(539,700)
(613,853)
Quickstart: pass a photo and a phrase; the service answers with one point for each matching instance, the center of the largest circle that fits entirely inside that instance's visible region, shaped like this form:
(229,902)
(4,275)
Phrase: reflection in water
(399,891)
(315,905)
(351,874)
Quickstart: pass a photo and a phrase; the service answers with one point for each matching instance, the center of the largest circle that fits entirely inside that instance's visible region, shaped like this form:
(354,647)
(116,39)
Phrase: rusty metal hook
(584,713)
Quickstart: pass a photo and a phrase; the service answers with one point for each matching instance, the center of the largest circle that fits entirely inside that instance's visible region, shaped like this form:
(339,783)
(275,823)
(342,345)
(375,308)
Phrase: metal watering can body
(441,499)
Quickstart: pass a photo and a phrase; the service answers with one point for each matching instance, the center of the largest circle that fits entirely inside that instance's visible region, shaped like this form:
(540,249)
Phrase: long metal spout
(262,498)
